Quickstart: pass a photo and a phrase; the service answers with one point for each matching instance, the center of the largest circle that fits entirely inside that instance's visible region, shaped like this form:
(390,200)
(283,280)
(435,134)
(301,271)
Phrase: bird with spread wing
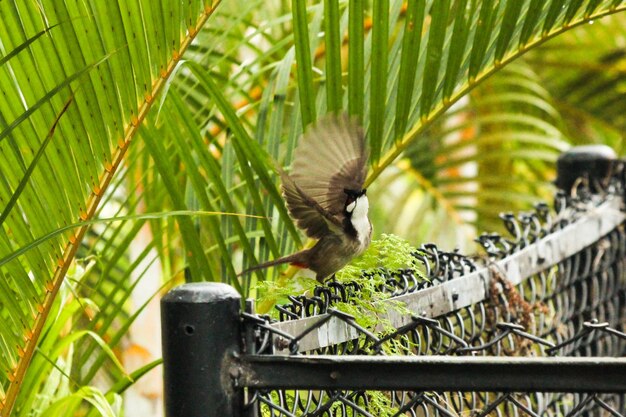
(325,196)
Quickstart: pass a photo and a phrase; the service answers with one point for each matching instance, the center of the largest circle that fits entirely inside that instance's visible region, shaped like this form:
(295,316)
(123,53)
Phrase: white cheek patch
(359,219)
(350,207)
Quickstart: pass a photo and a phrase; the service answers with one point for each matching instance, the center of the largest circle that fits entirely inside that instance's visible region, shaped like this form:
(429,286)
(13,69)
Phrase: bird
(325,195)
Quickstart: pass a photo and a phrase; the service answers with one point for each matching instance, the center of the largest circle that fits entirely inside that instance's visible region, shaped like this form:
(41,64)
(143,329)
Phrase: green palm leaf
(112,58)
(584,72)
(486,156)
(499,36)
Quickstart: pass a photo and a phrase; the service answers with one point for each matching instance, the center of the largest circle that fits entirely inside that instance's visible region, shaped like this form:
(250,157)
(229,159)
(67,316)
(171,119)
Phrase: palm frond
(113,59)
(495,149)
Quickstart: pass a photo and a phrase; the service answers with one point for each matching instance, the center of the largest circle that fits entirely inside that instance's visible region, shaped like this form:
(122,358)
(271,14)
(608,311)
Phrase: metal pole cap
(595,163)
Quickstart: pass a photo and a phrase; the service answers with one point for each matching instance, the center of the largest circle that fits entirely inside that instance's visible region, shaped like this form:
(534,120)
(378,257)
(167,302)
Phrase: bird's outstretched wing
(308,214)
(330,158)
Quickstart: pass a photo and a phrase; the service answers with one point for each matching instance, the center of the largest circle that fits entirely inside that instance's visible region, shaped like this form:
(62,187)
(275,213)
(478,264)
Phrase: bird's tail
(297,258)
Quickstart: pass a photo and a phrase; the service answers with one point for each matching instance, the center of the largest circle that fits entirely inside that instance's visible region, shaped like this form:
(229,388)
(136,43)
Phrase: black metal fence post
(200,333)
(595,163)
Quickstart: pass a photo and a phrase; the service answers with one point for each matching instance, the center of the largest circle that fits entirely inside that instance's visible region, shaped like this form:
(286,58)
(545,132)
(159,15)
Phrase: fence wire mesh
(576,307)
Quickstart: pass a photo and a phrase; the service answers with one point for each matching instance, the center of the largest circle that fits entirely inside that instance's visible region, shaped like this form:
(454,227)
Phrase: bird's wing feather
(309,215)
(331,156)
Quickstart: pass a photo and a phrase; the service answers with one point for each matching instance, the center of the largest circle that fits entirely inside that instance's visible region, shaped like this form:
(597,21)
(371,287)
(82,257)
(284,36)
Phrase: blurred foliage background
(138,142)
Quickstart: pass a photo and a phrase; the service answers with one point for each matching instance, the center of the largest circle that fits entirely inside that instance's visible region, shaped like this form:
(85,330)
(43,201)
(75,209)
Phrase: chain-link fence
(535,327)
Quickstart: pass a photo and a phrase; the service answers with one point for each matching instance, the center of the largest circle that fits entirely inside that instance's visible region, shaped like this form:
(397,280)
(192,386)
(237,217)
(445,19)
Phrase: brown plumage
(325,196)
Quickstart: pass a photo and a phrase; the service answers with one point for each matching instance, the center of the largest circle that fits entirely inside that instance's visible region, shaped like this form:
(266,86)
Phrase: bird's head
(352,197)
